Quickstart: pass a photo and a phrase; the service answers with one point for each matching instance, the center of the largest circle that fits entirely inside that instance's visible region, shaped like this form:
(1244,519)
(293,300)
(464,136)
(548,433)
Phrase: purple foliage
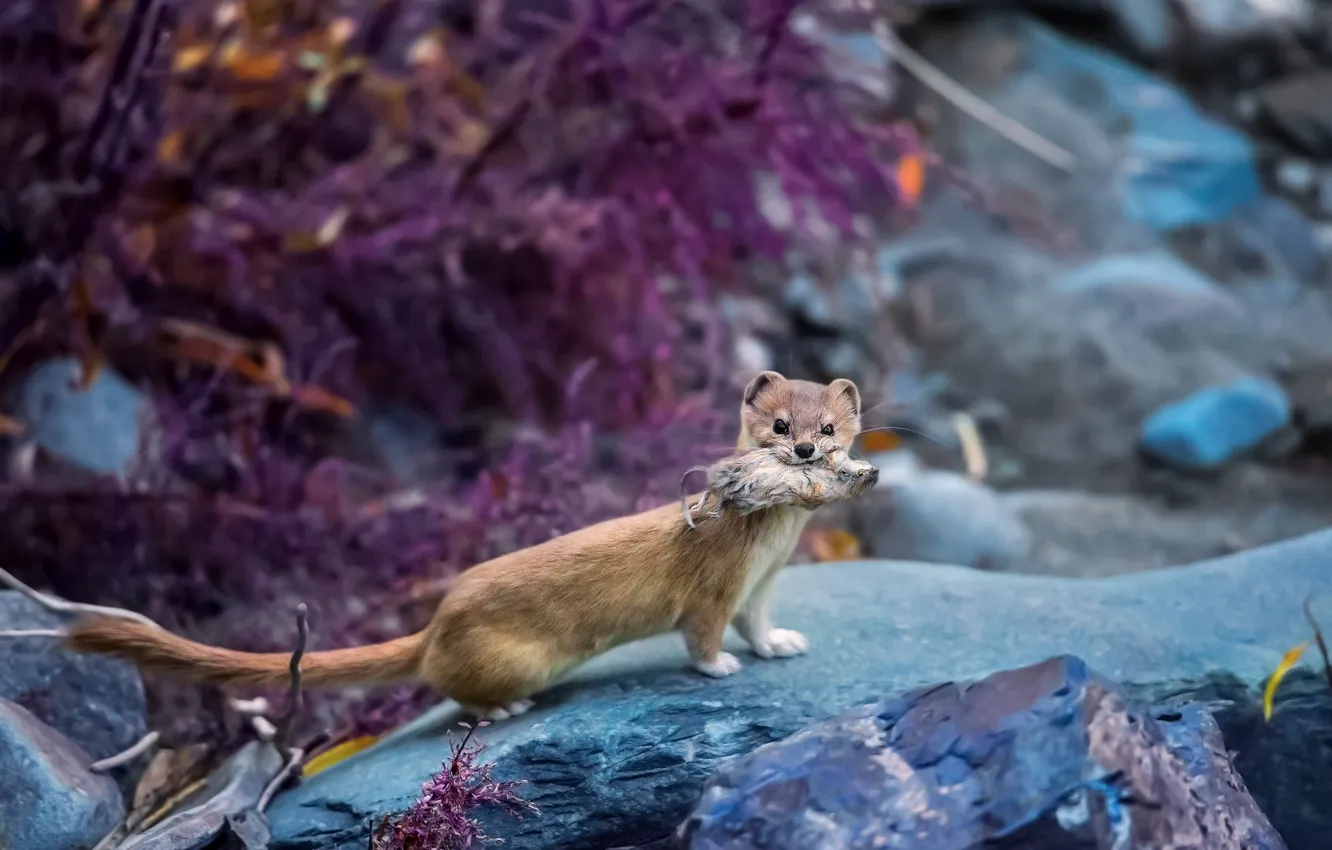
(512,215)
(442,819)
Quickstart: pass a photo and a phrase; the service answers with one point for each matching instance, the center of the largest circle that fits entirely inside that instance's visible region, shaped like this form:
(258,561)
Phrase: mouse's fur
(759,479)
(512,624)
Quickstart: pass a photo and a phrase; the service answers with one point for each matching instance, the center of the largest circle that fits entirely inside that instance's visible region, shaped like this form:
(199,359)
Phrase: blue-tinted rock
(48,798)
(939,517)
(1158,269)
(95,701)
(1044,757)
(1274,228)
(1213,425)
(99,430)
(617,756)
(1139,146)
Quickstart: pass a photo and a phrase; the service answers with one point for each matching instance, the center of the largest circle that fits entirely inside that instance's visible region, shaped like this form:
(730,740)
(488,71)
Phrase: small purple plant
(442,818)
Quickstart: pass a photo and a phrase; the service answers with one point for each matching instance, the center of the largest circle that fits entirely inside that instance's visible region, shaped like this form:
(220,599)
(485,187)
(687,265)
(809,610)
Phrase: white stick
(956,94)
(30,633)
(64,606)
(144,744)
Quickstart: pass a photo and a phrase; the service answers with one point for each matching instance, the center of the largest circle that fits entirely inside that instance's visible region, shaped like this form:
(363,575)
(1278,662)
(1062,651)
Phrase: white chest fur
(774,547)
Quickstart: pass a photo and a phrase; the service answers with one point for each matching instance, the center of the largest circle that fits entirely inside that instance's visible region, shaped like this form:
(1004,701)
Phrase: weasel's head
(802,420)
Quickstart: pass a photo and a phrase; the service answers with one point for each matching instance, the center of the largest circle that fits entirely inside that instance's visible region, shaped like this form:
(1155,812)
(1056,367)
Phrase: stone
(1078,534)
(1215,424)
(100,430)
(48,798)
(95,701)
(1043,757)
(1156,269)
(939,517)
(617,755)
(840,326)
(1284,236)
(405,440)
(1170,165)
(1096,356)
(1296,107)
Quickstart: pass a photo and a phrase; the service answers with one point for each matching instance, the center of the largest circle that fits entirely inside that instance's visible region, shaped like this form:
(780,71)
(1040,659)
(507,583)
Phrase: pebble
(1212,426)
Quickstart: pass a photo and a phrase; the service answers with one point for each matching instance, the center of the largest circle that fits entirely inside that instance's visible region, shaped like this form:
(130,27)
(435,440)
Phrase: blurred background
(327,301)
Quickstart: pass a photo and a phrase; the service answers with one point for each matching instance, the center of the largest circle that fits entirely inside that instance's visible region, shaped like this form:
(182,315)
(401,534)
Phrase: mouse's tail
(157,650)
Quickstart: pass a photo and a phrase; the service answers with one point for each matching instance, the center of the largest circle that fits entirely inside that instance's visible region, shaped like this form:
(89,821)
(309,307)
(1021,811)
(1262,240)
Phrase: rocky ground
(1142,331)
(1135,314)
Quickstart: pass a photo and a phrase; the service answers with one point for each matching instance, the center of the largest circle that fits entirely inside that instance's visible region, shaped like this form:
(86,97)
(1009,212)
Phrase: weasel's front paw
(725,665)
(782,643)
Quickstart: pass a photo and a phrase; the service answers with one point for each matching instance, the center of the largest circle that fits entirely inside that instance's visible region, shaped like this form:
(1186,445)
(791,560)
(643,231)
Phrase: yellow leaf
(257,67)
(911,177)
(880,441)
(1287,661)
(169,148)
(317,398)
(189,58)
(834,545)
(338,753)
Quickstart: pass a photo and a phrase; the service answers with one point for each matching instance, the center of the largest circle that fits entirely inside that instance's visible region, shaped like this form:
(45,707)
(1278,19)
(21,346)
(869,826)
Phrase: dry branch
(64,606)
(144,744)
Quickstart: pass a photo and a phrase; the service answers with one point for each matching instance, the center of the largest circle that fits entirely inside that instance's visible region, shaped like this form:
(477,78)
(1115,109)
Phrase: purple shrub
(442,819)
(511,215)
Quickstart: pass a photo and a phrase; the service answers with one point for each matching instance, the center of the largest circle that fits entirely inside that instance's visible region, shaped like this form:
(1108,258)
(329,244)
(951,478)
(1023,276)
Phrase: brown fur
(760,478)
(510,625)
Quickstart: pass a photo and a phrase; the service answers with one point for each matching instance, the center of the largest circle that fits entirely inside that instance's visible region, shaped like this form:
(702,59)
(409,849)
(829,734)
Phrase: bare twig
(263,727)
(973,447)
(294,692)
(956,94)
(297,755)
(248,707)
(146,743)
(29,633)
(1318,636)
(64,606)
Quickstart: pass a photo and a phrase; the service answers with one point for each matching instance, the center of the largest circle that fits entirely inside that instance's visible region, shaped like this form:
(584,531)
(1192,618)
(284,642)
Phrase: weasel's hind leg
(513,709)
(495,680)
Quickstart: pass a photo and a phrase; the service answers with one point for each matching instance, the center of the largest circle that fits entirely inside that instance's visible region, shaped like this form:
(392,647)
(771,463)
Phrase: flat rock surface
(617,756)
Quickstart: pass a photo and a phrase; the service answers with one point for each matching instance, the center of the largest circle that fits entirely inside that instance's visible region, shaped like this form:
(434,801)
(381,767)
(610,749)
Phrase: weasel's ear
(761,382)
(846,387)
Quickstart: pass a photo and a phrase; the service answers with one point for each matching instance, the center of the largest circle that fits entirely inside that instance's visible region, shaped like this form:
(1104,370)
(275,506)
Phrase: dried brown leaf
(834,545)
(313,397)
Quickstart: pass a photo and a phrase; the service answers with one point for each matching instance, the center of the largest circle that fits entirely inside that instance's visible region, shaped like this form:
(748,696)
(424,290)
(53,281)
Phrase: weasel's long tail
(160,651)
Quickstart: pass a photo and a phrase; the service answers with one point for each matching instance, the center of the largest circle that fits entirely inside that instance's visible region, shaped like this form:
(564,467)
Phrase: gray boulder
(95,701)
(48,798)
(1044,757)
(940,517)
(618,755)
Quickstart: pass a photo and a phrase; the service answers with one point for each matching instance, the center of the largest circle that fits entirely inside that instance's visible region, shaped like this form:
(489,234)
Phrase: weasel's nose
(804,450)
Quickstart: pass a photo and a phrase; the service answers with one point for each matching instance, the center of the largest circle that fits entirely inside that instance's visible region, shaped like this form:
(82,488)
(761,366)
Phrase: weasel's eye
(780,427)
(827,430)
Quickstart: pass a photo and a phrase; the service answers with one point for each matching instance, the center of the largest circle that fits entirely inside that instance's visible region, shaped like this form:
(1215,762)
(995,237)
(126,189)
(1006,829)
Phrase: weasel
(759,479)
(511,625)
